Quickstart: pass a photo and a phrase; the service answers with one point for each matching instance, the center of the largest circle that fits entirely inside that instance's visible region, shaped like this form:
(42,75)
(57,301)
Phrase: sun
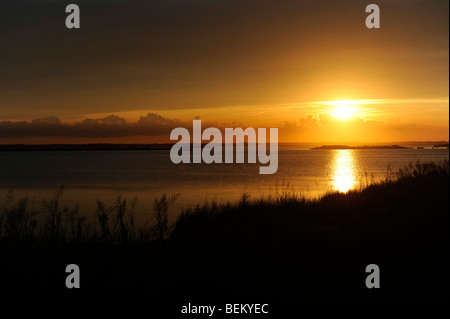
(342,112)
(343,109)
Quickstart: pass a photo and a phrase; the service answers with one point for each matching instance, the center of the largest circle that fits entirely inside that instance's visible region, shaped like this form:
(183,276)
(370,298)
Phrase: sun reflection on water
(343,171)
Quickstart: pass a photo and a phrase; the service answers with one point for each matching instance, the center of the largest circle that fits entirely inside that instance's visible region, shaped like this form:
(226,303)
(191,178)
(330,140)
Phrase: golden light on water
(343,171)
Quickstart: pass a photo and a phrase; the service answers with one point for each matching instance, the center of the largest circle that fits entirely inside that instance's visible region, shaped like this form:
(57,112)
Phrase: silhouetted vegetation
(60,225)
(411,204)
(279,246)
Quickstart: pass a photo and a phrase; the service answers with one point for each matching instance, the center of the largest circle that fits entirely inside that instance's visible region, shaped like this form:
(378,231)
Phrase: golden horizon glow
(317,81)
(344,102)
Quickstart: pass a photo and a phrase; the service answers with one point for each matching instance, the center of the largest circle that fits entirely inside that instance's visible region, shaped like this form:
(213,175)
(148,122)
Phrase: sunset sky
(137,69)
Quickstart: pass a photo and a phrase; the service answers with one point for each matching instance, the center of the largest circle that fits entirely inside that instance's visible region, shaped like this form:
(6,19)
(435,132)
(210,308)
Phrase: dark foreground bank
(279,248)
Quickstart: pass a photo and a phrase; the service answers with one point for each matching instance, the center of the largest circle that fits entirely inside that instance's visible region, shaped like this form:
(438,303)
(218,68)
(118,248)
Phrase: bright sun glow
(342,112)
(342,109)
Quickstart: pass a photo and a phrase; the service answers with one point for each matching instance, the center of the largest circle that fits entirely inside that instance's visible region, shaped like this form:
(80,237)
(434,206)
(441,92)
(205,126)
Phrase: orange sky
(295,65)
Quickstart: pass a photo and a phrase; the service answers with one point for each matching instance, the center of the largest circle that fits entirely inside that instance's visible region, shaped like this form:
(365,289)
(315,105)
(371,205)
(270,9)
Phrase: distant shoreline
(347,147)
(375,147)
(85,147)
(167,146)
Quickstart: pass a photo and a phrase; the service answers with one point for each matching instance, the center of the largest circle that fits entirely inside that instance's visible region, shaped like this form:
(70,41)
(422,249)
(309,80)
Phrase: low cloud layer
(323,128)
(326,128)
(111,126)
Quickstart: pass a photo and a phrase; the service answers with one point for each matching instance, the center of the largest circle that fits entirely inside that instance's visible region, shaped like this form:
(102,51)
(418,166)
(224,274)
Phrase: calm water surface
(91,175)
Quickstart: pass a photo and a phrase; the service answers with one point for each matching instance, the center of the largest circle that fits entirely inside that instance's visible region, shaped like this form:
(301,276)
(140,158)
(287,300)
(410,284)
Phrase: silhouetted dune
(279,247)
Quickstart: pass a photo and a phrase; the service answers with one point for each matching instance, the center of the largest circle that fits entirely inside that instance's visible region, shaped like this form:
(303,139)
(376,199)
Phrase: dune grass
(279,246)
(413,192)
(52,224)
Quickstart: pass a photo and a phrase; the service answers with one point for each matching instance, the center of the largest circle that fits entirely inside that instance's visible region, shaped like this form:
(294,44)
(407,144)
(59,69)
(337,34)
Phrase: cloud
(322,128)
(111,126)
(326,128)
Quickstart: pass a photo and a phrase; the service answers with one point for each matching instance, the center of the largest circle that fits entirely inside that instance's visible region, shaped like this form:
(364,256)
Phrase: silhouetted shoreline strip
(85,147)
(347,147)
(167,146)
(97,147)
